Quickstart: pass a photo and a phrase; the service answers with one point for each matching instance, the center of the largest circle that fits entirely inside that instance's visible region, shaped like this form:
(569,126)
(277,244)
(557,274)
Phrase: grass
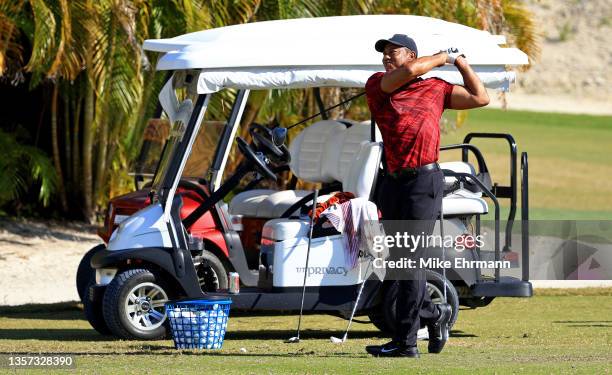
(556,331)
(569,159)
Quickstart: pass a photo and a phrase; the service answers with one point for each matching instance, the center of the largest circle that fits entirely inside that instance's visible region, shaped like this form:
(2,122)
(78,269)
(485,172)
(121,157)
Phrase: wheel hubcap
(436,295)
(209,281)
(145,306)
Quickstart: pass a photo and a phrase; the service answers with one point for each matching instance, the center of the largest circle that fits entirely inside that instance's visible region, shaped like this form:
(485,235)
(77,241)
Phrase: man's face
(395,56)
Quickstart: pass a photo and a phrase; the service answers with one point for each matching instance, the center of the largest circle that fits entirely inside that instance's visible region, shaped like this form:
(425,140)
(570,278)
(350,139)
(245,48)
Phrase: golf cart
(178,238)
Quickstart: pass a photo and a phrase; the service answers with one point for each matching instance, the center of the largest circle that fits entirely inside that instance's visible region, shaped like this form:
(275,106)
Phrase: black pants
(417,200)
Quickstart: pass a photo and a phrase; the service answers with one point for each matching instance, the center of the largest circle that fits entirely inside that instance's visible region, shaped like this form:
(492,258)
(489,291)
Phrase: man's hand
(474,94)
(452,54)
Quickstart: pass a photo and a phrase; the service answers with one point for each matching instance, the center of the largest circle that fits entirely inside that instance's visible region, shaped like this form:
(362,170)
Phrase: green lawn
(558,332)
(570,159)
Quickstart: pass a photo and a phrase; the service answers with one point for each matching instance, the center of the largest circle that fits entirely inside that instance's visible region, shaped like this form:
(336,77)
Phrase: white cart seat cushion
(246,202)
(277,203)
(344,147)
(460,167)
(283,229)
(458,205)
(309,150)
(462,201)
(361,173)
(265,203)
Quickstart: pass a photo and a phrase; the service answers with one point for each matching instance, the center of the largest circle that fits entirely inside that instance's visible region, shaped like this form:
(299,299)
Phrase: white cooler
(285,243)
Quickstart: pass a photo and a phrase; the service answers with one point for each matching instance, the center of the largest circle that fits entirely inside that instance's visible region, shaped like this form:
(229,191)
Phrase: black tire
(93,312)
(117,300)
(475,302)
(384,316)
(85,274)
(434,279)
(212,274)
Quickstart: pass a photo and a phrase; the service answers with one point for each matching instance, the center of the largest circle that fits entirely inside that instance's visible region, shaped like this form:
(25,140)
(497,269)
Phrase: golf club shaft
(443,251)
(365,277)
(314,209)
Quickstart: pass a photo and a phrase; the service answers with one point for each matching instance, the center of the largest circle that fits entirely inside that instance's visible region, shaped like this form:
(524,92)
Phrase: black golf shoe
(393,349)
(438,331)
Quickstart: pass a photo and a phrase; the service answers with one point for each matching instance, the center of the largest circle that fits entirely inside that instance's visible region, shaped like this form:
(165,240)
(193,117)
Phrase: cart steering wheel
(263,138)
(249,154)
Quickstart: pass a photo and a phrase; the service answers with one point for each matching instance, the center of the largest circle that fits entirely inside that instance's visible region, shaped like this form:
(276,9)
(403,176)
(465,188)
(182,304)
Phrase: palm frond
(11,51)
(520,26)
(42,170)
(43,39)
(22,165)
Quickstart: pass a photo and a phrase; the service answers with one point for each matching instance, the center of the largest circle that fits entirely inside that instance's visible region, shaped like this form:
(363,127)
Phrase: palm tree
(88,53)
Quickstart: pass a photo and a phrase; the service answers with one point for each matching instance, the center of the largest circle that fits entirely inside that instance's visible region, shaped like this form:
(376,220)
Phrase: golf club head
(335,340)
(423,334)
(292,340)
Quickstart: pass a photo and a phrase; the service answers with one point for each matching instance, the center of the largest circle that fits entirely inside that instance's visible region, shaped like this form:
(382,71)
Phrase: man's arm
(397,78)
(473,94)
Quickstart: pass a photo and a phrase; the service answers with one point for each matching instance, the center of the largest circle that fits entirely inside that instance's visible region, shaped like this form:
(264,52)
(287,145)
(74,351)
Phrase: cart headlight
(119,219)
(105,275)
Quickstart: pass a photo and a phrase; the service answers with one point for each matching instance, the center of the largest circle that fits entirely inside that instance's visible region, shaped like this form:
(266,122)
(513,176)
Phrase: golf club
(443,251)
(446,331)
(336,340)
(296,338)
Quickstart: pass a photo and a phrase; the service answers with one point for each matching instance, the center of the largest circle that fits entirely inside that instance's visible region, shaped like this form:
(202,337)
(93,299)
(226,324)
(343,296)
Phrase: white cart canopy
(328,51)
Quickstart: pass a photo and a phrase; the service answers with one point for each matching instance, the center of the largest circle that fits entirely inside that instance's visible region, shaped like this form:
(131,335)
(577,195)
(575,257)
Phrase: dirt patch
(573,73)
(38,260)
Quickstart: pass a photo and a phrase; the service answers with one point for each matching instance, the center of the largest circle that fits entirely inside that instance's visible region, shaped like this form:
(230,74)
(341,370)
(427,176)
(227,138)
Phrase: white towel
(358,219)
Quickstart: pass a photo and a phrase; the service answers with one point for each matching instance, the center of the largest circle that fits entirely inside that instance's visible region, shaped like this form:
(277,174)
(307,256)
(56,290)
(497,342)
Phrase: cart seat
(456,205)
(267,203)
(326,151)
(461,201)
(459,167)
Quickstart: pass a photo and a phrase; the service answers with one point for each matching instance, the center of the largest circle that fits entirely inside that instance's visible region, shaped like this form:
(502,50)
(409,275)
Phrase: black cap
(397,39)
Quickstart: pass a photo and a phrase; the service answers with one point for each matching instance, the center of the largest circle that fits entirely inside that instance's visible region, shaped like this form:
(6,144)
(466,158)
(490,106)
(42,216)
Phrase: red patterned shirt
(409,119)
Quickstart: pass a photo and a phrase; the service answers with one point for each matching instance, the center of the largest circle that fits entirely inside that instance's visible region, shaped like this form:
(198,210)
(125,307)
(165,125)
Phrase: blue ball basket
(198,323)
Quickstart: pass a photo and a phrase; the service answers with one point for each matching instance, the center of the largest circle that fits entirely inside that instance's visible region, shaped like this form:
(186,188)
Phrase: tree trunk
(102,145)
(143,119)
(332,96)
(102,121)
(76,146)
(67,145)
(88,124)
(55,149)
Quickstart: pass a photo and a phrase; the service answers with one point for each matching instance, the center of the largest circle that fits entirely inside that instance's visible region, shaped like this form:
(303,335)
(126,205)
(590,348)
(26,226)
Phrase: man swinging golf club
(407,110)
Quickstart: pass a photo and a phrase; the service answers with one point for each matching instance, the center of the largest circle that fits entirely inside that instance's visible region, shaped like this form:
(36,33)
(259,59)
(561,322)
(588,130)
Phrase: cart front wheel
(134,305)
